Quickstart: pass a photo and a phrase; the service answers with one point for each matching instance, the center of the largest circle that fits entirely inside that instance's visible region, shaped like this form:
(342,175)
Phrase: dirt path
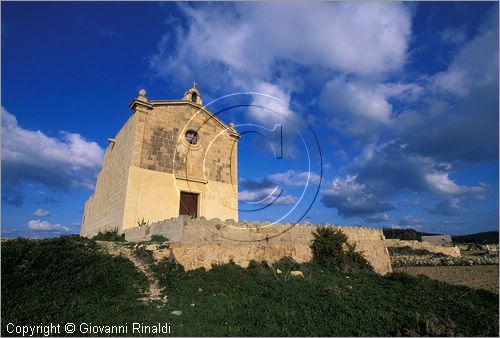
(153,293)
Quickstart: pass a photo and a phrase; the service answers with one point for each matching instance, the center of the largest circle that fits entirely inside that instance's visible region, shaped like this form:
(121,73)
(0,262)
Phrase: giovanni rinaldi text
(51,329)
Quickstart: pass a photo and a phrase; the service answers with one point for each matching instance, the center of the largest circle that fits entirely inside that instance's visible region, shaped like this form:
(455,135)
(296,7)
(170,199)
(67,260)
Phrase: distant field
(477,276)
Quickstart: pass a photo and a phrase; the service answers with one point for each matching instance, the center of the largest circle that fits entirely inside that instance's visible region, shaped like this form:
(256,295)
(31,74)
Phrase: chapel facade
(171,158)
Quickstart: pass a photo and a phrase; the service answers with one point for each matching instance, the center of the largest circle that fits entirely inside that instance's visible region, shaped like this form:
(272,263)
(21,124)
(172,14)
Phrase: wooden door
(188,204)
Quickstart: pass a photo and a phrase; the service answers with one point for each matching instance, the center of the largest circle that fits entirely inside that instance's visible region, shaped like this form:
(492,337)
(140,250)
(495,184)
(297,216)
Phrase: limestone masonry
(452,251)
(172,171)
(200,243)
(170,158)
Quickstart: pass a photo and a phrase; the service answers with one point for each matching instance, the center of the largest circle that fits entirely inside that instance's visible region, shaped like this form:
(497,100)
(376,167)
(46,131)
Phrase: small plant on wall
(142,222)
(110,235)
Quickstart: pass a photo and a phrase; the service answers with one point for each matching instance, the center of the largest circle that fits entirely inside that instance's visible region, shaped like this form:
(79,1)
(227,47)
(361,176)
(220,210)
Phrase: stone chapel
(171,158)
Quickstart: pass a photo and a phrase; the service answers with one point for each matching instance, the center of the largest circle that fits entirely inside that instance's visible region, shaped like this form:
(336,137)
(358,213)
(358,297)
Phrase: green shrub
(287,263)
(110,236)
(330,248)
(158,239)
(67,279)
(167,270)
(145,255)
(327,246)
(255,267)
(354,260)
(401,277)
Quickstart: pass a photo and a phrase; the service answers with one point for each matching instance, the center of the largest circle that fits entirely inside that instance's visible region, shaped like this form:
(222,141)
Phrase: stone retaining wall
(171,229)
(453,251)
(201,243)
(192,256)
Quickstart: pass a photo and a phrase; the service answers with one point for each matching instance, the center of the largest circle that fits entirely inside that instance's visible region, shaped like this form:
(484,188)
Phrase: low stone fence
(403,261)
(453,251)
(171,229)
(200,243)
(491,249)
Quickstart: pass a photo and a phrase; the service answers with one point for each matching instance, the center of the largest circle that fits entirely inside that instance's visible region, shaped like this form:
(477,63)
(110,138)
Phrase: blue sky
(402,98)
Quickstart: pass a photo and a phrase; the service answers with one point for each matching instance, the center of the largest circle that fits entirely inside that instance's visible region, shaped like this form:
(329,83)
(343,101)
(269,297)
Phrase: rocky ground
(477,267)
(470,255)
(154,292)
(435,260)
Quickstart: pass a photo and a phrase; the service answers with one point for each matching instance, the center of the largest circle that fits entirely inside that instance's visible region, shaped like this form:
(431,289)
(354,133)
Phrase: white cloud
(356,99)
(377,218)
(408,92)
(295,178)
(40,212)
(449,206)
(451,115)
(276,102)
(249,40)
(267,190)
(269,43)
(441,183)
(352,198)
(475,65)
(271,109)
(265,196)
(457,120)
(410,221)
(39,225)
(66,162)
(347,186)
(26,146)
(382,171)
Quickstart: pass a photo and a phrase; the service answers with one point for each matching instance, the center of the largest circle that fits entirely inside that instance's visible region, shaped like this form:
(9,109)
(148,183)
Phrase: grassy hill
(489,237)
(73,279)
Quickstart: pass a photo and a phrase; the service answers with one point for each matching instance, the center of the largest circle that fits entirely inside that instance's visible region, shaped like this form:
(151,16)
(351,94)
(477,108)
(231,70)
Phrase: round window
(191,137)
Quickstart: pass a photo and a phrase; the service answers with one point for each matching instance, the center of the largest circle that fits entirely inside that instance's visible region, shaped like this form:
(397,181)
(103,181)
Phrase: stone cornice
(136,102)
(192,179)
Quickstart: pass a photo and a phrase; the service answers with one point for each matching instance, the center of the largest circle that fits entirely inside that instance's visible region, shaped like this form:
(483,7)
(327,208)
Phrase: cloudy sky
(387,112)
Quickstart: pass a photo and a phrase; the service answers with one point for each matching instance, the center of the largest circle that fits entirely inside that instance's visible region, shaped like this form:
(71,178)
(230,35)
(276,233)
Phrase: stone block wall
(453,251)
(171,229)
(154,196)
(150,162)
(104,210)
(200,243)
(193,256)
(165,149)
